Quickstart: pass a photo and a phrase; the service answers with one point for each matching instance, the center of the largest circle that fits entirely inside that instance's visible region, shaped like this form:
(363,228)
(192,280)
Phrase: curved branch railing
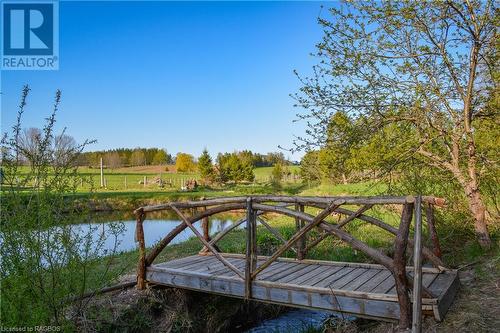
(294,207)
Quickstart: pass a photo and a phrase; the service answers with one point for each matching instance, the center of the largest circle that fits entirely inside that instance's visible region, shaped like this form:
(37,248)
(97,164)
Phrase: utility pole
(102,175)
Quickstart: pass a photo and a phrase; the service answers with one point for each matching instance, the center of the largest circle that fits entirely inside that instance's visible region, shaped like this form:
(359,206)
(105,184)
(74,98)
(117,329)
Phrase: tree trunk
(478,211)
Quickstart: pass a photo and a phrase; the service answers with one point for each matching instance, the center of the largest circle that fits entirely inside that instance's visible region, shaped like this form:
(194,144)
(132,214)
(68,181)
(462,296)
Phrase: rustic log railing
(295,207)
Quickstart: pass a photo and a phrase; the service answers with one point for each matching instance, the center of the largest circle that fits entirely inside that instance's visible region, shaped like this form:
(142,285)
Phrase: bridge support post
(139,238)
(299,224)
(417,264)
(251,250)
(399,268)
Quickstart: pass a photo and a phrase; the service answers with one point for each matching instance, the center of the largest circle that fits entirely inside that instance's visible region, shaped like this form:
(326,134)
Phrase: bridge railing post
(431,228)
(417,265)
(299,224)
(251,248)
(139,238)
(399,264)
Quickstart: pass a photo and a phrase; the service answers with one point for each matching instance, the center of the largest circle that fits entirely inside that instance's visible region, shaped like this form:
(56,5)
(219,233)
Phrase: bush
(46,260)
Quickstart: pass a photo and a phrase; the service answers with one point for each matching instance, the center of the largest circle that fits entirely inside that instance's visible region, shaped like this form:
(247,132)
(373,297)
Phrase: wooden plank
(199,264)
(332,263)
(215,267)
(291,269)
(228,272)
(448,295)
(333,277)
(300,280)
(381,276)
(273,269)
(441,283)
(323,275)
(340,283)
(179,262)
(385,286)
(360,280)
(427,279)
(305,269)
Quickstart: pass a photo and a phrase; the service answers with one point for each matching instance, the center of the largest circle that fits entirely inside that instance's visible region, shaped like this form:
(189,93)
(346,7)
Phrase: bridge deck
(365,290)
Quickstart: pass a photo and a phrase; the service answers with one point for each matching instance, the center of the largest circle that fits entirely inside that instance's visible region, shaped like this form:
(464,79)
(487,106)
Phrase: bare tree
(113,160)
(65,149)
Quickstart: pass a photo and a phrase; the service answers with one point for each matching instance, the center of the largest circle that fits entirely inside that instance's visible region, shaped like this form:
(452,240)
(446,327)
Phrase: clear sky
(176,75)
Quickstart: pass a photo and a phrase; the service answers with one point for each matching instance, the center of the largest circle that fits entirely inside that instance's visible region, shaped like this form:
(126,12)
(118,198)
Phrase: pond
(155,228)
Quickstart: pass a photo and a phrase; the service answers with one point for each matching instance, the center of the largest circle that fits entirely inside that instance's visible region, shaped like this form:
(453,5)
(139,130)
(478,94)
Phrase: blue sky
(177,75)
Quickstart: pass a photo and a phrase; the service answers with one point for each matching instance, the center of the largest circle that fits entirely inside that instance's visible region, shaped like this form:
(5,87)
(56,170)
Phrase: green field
(148,178)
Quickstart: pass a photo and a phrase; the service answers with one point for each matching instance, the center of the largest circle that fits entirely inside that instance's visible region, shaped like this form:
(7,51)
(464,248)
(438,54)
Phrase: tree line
(121,157)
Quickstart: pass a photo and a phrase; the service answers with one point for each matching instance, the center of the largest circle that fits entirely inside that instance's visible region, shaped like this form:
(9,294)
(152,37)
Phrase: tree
(137,157)
(277,174)
(425,65)
(184,163)
(205,166)
(65,149)
(112,160)
(160,158)
(309,166)
(230,167)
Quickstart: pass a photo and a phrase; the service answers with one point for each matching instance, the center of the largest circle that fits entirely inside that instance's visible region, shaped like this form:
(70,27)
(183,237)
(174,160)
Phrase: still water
(154,230)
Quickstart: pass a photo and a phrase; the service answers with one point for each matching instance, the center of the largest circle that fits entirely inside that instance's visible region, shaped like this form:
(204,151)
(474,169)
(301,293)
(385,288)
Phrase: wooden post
(139,238)
(399,265)
(205,225)
(102,175)
(145,181)
(299,224)
(417,266)
(125,181)
(431,227)
(251,251)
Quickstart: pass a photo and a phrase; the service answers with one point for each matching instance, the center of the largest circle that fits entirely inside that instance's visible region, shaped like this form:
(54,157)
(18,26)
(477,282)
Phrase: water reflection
(154,230)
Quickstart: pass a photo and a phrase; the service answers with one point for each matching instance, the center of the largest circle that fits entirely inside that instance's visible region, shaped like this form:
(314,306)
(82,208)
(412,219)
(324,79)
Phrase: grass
(131,179)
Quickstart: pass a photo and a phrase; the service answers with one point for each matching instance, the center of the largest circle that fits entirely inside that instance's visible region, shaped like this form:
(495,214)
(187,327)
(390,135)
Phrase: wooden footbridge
(389,289)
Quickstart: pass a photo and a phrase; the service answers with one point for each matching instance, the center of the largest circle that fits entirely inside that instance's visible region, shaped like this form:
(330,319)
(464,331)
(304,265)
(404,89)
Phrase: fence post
(417,265)
(251,250)
(139,237)
(301,244)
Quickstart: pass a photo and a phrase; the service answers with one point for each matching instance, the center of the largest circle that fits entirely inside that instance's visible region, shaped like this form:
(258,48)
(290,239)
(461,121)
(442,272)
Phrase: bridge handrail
(256,206)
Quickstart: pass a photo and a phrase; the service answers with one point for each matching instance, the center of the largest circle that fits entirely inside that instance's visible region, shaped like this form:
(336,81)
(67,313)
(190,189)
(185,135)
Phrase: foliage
(46,259)
(417,80)
(128,156)
(206,167)
(184,163)
(230,167)
(309,166)
(161,158)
